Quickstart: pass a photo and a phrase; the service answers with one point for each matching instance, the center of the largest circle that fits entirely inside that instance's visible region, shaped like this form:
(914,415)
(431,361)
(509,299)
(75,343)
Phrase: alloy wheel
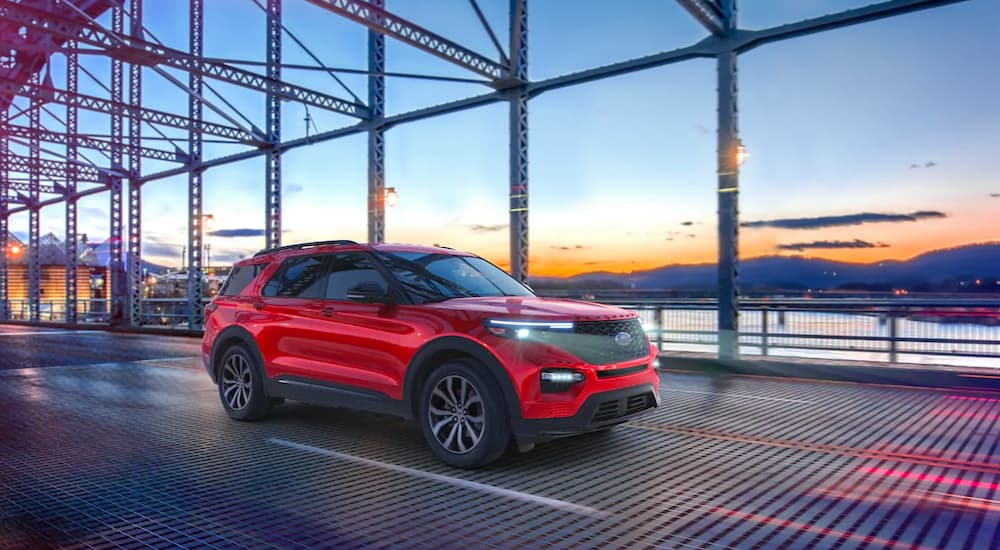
(456,414)
(237,382)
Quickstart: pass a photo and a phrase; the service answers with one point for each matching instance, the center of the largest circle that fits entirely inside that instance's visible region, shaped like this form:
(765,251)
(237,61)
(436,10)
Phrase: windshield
(438,277)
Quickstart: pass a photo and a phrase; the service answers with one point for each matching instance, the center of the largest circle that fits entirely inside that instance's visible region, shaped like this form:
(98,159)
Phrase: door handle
(258,305)
(327,311)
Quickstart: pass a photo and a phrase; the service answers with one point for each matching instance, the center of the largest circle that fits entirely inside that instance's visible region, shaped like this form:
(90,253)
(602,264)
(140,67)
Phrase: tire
(241,385)
(463,416)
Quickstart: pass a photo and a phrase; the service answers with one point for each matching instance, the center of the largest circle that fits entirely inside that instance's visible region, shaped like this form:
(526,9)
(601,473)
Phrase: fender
(420,363)
(229,335)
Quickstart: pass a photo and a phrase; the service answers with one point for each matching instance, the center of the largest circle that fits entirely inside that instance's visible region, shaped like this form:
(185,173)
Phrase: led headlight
(522,330)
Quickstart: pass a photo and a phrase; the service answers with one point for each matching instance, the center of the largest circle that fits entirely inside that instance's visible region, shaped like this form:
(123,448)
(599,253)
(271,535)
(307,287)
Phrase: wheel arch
(446,348)
(228,337)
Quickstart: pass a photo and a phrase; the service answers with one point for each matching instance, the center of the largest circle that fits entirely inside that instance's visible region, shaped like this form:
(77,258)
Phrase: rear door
(290,306)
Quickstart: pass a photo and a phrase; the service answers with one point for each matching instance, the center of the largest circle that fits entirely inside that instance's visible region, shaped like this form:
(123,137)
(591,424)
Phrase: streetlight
(15,249)
(391,196)
(741,153)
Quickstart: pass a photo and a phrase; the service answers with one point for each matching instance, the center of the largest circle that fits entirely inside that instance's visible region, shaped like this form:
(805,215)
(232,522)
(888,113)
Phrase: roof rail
(300,246)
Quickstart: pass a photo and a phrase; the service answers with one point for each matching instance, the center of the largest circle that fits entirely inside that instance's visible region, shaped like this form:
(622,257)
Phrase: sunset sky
(874,142)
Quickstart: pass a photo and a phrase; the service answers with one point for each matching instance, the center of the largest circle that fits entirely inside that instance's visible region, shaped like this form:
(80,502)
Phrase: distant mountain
(936,269)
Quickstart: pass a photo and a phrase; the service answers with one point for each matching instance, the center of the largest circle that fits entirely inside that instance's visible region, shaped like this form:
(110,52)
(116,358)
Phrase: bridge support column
(135,275)
(195,280)
(272,122)
(376,136)
(728,194)
(519,141)
(72,126)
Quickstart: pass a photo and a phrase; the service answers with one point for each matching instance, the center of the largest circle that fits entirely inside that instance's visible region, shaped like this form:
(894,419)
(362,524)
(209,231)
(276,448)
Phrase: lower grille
(606,411)
(637,403)
(618,408)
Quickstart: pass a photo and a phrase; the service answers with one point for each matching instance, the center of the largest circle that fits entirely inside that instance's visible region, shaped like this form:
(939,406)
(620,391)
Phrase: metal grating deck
(129,454)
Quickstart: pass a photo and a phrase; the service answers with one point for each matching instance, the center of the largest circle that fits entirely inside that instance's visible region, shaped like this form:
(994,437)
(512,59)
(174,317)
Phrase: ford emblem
(623,338)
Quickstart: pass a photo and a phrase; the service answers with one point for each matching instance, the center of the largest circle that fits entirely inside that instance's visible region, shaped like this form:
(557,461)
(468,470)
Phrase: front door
(364,341)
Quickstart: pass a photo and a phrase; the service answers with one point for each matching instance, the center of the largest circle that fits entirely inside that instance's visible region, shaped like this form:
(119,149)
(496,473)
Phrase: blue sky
(621,170)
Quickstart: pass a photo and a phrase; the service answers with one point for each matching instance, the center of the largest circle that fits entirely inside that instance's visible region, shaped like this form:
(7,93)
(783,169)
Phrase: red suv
(428,334)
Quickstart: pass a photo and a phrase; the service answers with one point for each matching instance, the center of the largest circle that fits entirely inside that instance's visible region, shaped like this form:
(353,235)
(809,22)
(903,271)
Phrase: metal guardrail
(885,330)
(851,328)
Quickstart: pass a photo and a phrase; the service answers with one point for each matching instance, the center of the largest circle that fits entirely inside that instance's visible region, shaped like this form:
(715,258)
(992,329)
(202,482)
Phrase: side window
(300,277)
(240,277)
(349,270)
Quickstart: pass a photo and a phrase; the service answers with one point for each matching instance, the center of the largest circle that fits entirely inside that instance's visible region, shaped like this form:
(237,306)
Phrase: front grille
(614,373)
(594,341)
(617,408)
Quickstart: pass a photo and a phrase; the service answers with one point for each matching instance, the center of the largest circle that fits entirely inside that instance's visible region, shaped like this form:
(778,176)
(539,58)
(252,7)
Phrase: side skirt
(325,394)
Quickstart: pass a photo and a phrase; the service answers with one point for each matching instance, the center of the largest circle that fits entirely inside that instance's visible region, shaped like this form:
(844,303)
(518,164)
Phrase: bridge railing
(961,331)
(872,330)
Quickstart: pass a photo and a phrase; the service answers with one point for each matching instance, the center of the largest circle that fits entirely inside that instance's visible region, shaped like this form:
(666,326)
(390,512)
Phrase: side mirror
(366,293)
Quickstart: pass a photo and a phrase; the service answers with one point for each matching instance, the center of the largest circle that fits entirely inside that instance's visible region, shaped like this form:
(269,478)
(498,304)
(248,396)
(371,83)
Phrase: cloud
(293,188)
(232,233)
(685,224)
(844,220)
(928,164)
(702,129)
(830,245)
(995,195)
(479,228)
(574,247)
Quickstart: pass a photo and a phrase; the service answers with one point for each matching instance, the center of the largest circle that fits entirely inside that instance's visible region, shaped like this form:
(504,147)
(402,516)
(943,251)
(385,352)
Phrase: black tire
(241,377)
(448,434)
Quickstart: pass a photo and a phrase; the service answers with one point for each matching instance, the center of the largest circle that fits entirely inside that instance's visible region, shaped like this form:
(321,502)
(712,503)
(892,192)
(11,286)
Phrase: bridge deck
(112,440)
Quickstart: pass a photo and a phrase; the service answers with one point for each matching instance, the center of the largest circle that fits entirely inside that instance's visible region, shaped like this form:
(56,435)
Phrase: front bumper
(600,410)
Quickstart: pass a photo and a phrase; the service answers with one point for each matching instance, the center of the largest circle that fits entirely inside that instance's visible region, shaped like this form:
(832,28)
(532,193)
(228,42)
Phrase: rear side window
(239,278)
(299,277)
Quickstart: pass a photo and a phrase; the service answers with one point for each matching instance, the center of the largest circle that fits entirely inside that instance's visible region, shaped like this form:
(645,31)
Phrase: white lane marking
(527,497)
(56,332)
(727,394)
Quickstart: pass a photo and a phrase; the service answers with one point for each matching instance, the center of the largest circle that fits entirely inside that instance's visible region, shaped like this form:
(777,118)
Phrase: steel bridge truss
(34,30)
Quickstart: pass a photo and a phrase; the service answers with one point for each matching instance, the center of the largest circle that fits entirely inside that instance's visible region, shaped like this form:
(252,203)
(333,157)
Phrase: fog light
(523,333)
(557,381)
(656,363)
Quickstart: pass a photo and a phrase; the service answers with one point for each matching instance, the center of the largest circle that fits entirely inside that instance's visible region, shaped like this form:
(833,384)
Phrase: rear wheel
(463,416)
(241,385)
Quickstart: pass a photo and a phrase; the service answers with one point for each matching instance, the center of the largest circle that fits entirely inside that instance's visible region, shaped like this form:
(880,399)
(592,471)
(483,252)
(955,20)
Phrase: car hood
(536,308)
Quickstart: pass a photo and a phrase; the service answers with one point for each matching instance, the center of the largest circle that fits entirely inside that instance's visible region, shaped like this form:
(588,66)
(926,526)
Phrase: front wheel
(241,387)
(463,416)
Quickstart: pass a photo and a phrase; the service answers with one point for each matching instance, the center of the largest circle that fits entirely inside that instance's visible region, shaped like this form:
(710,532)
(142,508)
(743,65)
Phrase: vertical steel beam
(519,141)
(4,232)
(196,42)
(116,266)
(272,122)
(72,128)
(728,193)
(135,278)
(376,136)
(4,223)
(34,212)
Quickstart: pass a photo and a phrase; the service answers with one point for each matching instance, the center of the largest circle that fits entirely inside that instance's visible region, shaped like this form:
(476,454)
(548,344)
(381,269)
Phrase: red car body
(374,356)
